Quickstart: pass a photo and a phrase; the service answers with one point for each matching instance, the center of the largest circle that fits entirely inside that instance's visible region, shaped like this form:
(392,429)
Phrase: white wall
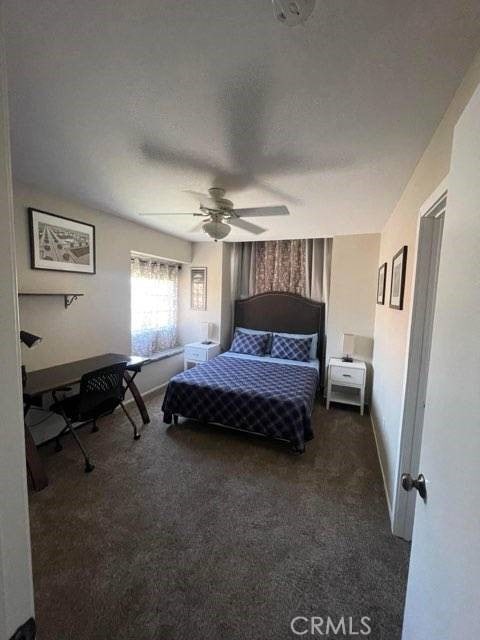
(16,591)
(226,318)
(99,322)
(213,256)
(392,326)
(353,290)
(444,576)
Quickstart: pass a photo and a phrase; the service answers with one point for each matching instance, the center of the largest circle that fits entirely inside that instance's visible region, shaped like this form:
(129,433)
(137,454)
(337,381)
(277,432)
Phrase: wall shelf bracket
(69,298)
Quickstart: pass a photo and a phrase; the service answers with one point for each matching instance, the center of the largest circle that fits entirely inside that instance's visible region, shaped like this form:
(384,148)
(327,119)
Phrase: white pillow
(313,336)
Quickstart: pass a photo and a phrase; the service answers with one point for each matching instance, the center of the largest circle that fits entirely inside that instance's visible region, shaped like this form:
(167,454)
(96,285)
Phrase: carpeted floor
(197,533)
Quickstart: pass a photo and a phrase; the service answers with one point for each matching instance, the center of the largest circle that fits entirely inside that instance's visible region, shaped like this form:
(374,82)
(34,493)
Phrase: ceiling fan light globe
(216,230)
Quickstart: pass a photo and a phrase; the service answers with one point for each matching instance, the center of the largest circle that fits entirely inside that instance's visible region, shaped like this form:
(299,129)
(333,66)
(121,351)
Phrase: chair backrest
(101,391)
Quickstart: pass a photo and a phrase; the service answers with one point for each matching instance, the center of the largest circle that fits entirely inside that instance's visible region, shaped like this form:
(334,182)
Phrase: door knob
(408,483)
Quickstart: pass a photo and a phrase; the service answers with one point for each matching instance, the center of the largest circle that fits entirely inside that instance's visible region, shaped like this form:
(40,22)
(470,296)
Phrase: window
(154,289)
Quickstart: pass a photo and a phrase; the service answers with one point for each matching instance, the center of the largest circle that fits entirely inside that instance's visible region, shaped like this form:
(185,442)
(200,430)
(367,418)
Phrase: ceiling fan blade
(202,198)
(280,195)
(198,227)
(210,202)
(245,225)
(262,211)
(170,214)
(158,152)
(197,194)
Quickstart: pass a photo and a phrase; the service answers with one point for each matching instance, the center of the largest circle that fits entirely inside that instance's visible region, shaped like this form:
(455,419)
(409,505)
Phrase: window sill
(163,355)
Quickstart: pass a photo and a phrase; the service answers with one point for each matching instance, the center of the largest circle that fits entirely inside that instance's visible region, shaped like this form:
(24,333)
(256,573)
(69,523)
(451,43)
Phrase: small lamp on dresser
(348,347)
(207,332)
(30,340)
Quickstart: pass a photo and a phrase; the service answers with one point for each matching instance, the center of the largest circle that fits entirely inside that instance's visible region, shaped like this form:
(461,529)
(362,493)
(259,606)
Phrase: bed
(268,396)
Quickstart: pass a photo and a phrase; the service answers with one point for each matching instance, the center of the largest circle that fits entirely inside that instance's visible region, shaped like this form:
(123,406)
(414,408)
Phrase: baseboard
(379,456)
(149,392)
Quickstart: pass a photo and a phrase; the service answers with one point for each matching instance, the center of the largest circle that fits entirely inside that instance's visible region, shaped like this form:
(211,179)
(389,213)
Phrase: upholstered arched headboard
(283,312)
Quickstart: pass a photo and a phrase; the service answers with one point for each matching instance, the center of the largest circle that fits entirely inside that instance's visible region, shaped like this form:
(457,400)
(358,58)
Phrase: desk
(63,375)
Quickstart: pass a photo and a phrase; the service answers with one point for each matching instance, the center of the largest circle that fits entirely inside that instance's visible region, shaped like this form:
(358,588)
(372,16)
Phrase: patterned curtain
(296,266)
(154,305)
(280,266)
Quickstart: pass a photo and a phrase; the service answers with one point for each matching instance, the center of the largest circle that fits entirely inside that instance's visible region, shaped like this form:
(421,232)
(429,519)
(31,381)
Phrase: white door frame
(16,587)
(429,234)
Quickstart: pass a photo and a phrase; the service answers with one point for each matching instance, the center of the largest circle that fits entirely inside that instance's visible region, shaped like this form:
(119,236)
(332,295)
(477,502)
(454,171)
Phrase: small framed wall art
(61,244)
(381,283)
(198,288)
(397,288)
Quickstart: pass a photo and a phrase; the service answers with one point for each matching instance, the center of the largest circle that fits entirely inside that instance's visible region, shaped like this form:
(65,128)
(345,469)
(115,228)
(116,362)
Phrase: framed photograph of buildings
(397,288)
(61,244)
(198,288)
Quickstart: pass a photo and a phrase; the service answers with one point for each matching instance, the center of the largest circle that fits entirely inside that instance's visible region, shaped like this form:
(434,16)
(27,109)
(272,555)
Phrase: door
(423,312)
(16,588)
(444,580)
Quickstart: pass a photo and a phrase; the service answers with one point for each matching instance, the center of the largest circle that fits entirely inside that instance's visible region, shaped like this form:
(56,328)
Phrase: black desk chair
(101,392)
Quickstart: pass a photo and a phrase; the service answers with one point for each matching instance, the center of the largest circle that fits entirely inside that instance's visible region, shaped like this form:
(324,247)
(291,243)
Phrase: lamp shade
(29,339)
(216,229)
(207,330)
(348,344)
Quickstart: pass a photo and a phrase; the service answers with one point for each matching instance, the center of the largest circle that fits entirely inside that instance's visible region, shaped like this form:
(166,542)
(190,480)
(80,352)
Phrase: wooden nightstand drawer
(346,375)
(192,353)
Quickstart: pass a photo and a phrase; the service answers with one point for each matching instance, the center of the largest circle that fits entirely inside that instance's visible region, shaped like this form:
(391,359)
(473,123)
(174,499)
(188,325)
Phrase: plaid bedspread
(275,400)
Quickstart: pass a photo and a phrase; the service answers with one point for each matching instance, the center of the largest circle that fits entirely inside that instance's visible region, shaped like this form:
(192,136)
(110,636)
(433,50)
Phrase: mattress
(264,395)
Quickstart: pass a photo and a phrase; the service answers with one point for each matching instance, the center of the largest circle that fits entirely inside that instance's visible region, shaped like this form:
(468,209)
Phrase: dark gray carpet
(197,533)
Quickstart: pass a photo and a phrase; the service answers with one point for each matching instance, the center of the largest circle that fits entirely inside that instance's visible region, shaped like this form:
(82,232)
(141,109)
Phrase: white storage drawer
(346,382)
(192,353)
(346,375)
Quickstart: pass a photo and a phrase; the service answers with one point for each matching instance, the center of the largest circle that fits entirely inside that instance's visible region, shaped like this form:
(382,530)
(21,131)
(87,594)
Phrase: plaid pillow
(253,344)
(254,331)
(291,348)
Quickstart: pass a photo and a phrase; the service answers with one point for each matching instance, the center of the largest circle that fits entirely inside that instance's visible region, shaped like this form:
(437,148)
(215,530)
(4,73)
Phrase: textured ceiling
(125,104)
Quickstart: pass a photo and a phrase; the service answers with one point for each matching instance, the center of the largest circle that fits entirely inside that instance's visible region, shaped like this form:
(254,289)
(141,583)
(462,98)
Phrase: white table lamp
(348,347)
(207,331)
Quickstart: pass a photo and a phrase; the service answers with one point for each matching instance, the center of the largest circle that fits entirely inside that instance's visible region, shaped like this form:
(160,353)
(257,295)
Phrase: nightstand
(197,352)
(346,382)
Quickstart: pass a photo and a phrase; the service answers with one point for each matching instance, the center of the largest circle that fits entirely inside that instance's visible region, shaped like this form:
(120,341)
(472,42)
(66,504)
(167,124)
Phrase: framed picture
(61,244)
(381,283)
(198,288)
(399,267)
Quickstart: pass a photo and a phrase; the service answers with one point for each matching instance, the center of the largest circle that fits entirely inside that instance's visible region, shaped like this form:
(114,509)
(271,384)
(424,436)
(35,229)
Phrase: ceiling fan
(218,214)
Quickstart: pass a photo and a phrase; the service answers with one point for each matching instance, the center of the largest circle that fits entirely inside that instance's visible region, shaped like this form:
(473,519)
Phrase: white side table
(346,382)
(197,352)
